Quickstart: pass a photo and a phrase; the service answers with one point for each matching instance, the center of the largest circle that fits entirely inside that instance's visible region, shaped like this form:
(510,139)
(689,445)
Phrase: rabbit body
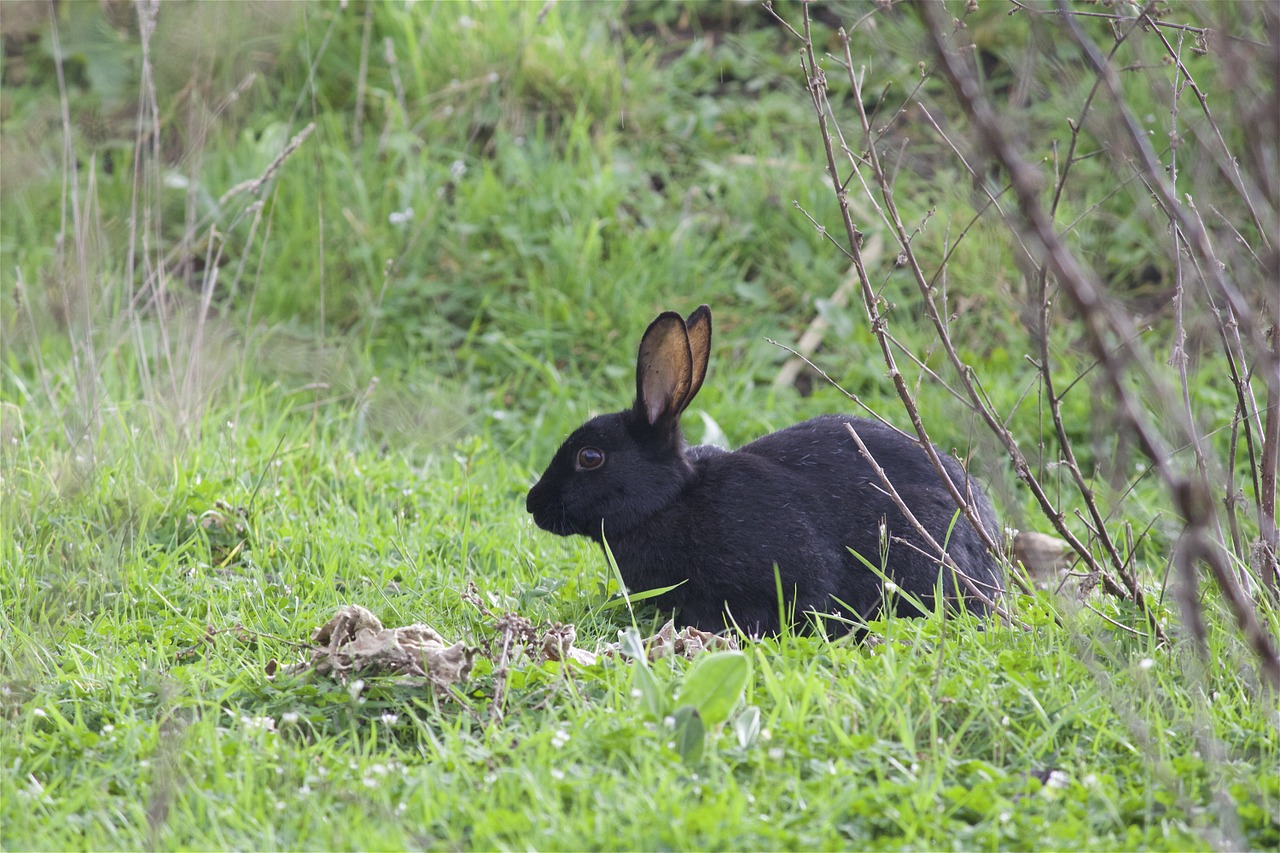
(803,499)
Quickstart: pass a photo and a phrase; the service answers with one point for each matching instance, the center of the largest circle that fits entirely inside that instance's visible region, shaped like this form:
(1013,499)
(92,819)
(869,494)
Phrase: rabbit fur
(803,499)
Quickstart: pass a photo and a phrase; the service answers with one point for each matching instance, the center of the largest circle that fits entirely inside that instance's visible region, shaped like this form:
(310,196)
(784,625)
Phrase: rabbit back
(806,500)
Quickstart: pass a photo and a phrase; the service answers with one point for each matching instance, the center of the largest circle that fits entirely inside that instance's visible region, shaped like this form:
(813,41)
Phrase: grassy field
(298,299)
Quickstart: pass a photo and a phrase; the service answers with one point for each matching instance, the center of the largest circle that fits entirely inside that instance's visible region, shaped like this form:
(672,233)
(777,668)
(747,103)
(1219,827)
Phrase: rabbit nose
(533,500)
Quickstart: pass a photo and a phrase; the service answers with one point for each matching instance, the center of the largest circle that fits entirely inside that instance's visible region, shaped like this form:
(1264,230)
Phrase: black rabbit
(803,499)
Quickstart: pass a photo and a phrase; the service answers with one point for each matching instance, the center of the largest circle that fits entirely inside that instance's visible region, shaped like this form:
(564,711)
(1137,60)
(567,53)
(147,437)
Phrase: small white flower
(557,774)
(1146,663)
(467,22)
(457,169)
(559,739)
(400,217)
(390,719)
(265,724)
(776,753)
(289,718)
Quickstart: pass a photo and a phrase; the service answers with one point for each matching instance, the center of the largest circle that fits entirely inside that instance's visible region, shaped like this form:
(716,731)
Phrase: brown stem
(1101,323)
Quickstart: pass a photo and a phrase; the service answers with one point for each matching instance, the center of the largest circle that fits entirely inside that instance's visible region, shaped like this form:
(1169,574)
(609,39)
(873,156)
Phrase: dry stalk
(1103,324)
(882,197)
(987,596)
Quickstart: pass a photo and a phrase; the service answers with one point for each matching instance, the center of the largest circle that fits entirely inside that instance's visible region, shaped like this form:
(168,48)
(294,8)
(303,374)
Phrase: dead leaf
(1043,555)
(686,642)
(557,644)
(354,641)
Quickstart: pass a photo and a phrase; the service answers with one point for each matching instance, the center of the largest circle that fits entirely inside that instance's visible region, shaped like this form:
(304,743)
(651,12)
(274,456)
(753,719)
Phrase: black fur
(801,498)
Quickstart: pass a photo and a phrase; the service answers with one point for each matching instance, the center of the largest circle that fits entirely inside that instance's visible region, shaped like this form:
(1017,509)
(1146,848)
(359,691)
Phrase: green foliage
(714,685)
(225,414)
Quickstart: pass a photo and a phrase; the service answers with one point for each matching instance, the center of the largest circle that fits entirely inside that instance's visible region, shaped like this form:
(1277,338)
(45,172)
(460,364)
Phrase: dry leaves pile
(355,643)
(684,643)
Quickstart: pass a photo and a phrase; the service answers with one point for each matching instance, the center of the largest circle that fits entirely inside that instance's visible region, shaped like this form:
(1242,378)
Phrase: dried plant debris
(1042,555)
(354,642)
(685,643)
(1049,561)
(557,644)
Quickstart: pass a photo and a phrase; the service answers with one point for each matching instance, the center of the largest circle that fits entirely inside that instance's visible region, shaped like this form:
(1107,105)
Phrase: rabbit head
(617,469)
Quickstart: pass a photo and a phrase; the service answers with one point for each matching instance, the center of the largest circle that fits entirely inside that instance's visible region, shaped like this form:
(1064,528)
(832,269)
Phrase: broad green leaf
(691,734)
(714,685)
(652,698)
(632,646)
(747,726)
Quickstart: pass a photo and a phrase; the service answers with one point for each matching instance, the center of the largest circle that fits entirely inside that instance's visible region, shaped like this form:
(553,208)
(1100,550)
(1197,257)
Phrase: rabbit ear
(664,369)
(698,325)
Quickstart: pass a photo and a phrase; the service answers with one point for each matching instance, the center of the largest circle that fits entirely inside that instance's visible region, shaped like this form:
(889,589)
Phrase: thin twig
(1101,323)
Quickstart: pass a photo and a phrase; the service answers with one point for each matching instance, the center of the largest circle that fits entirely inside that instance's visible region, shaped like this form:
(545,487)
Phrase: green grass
(357,415)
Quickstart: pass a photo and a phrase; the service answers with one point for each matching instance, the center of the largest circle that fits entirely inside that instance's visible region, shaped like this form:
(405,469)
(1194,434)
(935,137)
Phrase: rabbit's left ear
(664,370)
(698,325)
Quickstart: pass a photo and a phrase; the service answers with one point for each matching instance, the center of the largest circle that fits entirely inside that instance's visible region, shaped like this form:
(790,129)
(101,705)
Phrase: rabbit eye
(590,458)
